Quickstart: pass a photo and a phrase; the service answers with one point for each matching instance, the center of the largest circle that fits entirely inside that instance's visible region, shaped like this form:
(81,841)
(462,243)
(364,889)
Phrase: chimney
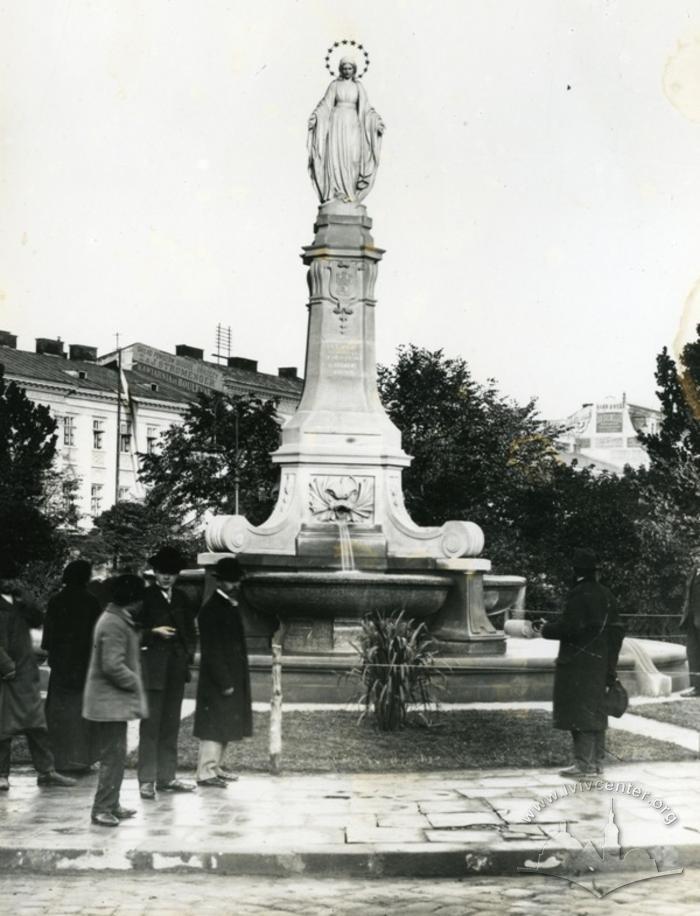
(8,340)
(82,353)
(239,362)
(50,347)
(191,352)
(287,372)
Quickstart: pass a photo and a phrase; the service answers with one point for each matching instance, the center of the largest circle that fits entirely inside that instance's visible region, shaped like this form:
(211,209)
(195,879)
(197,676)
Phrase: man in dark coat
(168,642)
(21,709)
(224,709)
(690,622)
(71,616)
(114,693)
(590,636)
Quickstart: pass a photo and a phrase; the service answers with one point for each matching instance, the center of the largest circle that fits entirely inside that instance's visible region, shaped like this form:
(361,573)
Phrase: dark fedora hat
(168,560)
(584,558)
(228,569)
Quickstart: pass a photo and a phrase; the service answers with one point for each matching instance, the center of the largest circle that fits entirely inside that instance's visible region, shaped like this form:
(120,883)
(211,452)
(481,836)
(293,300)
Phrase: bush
(396,668)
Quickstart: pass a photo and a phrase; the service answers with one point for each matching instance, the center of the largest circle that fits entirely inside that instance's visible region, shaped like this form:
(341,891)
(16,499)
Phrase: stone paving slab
(449,824)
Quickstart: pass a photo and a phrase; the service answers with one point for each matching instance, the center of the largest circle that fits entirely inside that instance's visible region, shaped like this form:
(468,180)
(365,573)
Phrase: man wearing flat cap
(590,636)
(224,710)
(168,643)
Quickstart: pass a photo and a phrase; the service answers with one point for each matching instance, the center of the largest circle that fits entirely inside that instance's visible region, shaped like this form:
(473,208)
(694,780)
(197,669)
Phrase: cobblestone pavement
(160,895)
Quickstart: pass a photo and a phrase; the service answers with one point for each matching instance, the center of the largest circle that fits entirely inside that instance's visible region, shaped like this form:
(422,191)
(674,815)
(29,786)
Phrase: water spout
(347,558)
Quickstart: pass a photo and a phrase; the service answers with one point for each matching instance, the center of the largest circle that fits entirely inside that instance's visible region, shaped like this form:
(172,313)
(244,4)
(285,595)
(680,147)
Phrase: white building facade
(606,434)
(106,418)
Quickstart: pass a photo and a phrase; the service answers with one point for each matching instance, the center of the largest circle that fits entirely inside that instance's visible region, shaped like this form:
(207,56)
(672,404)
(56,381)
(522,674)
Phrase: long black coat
(20,699)
(224,664)
(590,635)
(158,651)
(71,616)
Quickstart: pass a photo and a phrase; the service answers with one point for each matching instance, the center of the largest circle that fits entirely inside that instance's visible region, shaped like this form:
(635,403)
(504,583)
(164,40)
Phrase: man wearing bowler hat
(168,644)
(590,636)
(224,710)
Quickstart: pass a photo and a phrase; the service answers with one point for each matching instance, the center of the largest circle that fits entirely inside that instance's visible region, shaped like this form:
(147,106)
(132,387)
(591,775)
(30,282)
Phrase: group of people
(124,658)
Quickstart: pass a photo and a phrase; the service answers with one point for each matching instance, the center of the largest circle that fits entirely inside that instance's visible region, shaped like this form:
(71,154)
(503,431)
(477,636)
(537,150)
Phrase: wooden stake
(276,702)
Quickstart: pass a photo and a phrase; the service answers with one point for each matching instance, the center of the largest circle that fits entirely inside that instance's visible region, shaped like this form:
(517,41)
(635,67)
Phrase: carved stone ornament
(341,499)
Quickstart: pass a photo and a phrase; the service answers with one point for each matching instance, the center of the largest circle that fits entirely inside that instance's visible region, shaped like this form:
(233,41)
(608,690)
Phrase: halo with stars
(345,49)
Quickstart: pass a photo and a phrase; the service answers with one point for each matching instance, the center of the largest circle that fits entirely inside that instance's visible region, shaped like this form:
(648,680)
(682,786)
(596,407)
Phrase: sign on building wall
(609,421)
(172,368)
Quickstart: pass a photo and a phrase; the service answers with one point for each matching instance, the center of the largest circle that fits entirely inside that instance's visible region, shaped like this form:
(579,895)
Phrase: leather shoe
(105,819)
(123,814)
(229,777)
(215,782)
(147,790)
(175,785)
(689,692)
(52,778)
(4,784)
(575,772)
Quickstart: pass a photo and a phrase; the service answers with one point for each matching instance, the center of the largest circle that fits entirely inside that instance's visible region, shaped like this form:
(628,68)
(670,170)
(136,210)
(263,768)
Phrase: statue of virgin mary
(344,142)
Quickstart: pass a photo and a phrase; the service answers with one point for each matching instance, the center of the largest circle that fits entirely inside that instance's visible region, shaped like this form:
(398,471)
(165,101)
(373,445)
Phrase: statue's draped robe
(344,143)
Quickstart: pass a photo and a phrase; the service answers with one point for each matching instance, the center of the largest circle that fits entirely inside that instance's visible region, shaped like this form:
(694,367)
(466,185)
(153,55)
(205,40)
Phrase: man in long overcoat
(114,693)
(690,622)
(168,642)
(590,636)
(71,616)
(224,709)
(21,708)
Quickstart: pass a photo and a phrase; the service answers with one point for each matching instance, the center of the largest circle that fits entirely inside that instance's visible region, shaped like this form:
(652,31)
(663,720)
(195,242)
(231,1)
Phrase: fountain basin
(329,594)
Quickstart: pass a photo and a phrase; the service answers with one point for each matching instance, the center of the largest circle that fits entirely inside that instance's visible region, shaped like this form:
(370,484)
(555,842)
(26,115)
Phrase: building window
(96,498)
(123,494)
(151,439)
(98,434)
(125,437)
(69,431)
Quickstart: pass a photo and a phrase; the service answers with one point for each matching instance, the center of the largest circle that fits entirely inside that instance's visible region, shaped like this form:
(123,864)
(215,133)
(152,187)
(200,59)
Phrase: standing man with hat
(168,644)
(690,622)
(590,636)
(224,709)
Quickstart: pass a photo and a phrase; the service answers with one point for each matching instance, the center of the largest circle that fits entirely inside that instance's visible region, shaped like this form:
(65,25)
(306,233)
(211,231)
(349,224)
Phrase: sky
(538,194)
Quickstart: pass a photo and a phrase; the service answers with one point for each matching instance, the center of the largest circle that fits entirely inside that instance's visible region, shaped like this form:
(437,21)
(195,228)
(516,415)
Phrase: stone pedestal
(341,457)
(462,628)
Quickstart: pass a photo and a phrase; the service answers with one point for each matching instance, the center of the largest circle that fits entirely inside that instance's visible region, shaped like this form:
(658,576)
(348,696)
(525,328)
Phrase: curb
(424,860)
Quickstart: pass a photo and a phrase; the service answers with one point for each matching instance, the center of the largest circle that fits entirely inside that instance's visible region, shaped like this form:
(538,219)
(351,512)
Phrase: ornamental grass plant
(397,669)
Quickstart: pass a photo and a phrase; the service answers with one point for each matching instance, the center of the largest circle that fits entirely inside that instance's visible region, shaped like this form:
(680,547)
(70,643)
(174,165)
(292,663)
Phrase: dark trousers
(111,741)
(39,748)
(692,646)
(589,750)
(159,732)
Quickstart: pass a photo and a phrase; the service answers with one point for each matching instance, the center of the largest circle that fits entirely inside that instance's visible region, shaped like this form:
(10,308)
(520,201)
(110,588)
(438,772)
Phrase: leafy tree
(27,445)
(29,519)
(483,457)
(126,534)
(223,437)
(470,445)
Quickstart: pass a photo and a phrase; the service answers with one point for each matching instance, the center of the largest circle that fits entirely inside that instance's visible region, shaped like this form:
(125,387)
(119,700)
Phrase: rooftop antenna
(223,343)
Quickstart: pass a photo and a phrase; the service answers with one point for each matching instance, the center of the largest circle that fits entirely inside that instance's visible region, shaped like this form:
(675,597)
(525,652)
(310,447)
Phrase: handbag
(616,700)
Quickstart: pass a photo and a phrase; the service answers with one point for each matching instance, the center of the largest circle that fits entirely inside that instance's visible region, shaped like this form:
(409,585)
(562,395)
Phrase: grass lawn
(332,741)
(321,742)
(681,712)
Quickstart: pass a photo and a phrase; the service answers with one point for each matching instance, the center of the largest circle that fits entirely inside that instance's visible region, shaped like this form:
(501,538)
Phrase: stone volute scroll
(345,132)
